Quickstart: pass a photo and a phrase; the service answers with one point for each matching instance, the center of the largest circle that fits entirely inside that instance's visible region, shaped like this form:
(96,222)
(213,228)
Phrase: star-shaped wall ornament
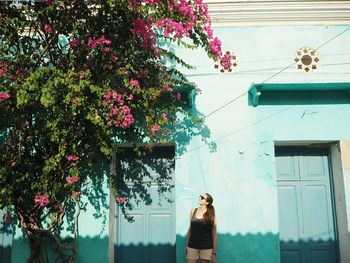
(307,59)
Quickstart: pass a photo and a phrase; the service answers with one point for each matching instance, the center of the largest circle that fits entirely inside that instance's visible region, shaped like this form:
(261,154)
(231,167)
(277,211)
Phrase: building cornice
(282,12)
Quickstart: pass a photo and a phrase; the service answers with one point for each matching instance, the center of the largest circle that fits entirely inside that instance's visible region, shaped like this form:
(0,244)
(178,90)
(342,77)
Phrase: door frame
(113,209)
(335,184)
(339,152)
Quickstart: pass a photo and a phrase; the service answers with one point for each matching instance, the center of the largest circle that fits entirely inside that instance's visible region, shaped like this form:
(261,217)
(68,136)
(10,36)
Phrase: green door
(305,201)
(150,238)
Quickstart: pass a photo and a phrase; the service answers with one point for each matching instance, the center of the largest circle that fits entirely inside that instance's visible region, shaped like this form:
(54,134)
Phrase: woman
(201,235)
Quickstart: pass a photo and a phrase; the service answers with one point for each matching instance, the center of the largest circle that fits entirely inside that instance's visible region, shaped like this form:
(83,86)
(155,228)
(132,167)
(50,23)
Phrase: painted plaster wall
(240,173)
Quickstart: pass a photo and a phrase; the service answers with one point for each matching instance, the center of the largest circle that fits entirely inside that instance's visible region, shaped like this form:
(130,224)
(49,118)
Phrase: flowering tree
(75,77)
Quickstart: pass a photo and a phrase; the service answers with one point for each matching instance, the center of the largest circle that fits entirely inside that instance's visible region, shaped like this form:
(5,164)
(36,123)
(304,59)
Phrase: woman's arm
(189,231)
(214,234)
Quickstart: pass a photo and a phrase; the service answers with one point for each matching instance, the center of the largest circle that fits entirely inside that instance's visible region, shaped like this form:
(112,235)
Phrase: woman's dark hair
(209,215)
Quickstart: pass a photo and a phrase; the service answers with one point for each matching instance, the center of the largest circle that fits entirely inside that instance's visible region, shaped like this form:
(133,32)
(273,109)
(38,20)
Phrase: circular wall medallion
(227,63)
(307,59)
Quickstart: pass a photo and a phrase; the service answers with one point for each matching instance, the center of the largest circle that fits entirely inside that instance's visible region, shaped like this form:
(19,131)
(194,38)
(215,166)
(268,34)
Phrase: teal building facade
(276,159)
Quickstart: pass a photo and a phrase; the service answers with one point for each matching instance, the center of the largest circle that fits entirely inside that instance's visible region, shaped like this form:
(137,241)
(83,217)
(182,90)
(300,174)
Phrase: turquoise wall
(240,172)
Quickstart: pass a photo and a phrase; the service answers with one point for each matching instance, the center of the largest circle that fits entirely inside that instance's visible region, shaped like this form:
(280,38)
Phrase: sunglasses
(202,197)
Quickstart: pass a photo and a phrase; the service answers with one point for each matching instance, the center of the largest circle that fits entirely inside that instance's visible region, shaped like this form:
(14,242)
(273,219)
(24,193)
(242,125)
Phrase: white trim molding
(278,12)
(340,161)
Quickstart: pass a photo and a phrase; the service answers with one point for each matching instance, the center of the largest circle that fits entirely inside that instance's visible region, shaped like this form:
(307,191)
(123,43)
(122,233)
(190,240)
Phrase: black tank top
(201,233)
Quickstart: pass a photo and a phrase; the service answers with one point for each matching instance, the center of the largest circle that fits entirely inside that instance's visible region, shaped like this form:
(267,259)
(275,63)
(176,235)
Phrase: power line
(243,128)
(307,53)
(269,60)
(244,93)
(274,75)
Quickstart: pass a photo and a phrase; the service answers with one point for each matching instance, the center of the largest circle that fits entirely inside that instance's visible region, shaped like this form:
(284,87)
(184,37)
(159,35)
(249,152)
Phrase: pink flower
(168,88)
(49,2)
(127,118)
(72,158)
(3,69)
(134,83)
(92,42)
(226,61)
(178,96)
(111,96)
(81,75)
(114,58)
(215,47)
(207,28)
(107,42)
(72,180)
(155,128)
(73,42)
(121,200)
(43,200)
(4,95)
(144,30)
(164,117)
(48,28)
(188,10)
(13,164)
(120,114)
(75,194)
(139,27)
(95,42)
(169,26)
(103,40)
(134,3)
(106,50)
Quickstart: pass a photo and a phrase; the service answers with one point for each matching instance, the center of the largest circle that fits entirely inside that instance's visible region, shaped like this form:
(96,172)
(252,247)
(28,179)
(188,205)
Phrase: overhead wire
(243,128)
(244,93)
(274,75)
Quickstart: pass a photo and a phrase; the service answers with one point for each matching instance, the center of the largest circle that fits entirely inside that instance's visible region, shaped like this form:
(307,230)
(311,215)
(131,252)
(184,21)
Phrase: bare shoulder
(192,211)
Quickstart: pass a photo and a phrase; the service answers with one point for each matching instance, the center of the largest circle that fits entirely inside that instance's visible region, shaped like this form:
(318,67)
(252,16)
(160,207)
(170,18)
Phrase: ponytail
(209,215)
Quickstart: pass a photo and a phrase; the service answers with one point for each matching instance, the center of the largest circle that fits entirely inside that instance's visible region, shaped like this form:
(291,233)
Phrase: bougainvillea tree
(75,77)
